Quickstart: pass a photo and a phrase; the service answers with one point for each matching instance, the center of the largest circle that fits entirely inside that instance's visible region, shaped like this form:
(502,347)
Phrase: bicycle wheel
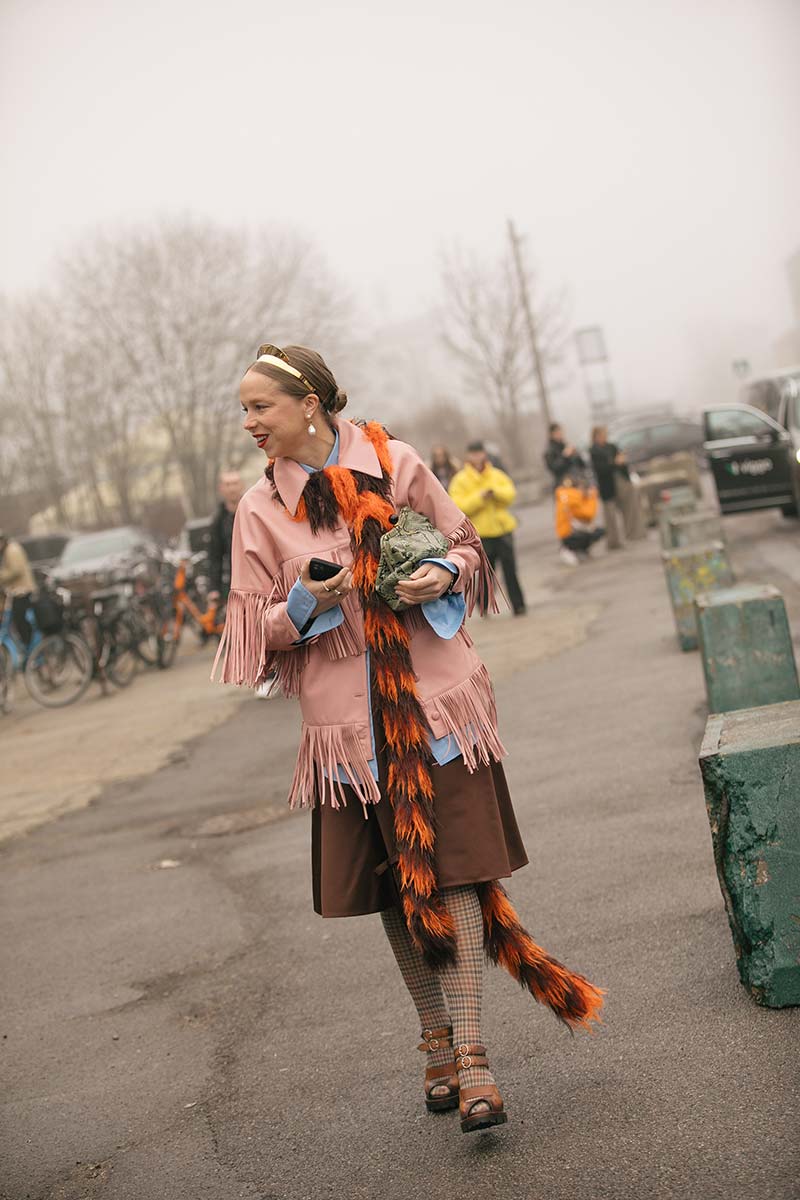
(146,624)
(59,670)
(168,639)
(122,659)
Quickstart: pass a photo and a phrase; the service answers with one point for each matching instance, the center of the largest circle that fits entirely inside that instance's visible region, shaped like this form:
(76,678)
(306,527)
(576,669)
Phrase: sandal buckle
(464,1062)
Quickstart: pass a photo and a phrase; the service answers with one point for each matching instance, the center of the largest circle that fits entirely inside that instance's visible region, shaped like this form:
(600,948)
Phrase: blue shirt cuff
(300,604)
(442,562)
(446,614)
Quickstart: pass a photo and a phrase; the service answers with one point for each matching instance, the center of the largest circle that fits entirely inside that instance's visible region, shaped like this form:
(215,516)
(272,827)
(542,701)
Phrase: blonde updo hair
(311,364)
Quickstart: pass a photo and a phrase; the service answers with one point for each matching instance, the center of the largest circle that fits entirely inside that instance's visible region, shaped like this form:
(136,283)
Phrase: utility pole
(538,365)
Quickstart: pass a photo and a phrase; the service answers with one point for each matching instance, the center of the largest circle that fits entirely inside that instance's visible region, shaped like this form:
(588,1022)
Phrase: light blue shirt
(444,615)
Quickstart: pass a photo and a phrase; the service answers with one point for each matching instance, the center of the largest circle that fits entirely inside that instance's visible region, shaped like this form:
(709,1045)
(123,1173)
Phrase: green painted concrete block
(746,647)
(750,762)
(690,570)
(693,528)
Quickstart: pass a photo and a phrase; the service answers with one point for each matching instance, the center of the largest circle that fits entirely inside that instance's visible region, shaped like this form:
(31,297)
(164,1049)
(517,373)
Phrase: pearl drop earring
(312,428)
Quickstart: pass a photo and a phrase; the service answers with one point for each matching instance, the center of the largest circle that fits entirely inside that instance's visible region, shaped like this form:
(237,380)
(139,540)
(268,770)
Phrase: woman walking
(399,755)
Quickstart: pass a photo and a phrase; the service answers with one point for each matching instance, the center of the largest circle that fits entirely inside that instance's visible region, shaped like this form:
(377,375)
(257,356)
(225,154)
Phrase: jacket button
(435,714)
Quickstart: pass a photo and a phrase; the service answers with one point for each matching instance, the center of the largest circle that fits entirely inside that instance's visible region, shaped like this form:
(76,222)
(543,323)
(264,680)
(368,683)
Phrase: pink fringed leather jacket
(329,672)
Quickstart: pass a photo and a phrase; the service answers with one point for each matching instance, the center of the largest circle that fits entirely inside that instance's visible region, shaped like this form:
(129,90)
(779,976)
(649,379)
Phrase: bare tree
(172,313)
(32,399)
(485,329)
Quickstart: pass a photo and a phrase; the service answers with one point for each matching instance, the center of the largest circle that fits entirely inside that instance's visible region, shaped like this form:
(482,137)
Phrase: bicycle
(58,666)
(13,653)
(143,617)
(186,596)
(98,641)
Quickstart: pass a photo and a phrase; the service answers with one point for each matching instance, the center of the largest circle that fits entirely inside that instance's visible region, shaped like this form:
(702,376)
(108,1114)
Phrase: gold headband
(277,358)
(278,362)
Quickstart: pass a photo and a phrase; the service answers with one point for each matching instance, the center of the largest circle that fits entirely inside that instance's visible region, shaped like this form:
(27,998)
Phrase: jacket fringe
(242,654)
(470,714)
(347,639)
(324,749)
(480,590)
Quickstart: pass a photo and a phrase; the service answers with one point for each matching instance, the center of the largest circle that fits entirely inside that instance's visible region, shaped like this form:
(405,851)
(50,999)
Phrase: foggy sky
(647,148)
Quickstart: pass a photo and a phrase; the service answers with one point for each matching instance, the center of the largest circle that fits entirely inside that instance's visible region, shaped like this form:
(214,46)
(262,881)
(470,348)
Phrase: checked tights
(453,995)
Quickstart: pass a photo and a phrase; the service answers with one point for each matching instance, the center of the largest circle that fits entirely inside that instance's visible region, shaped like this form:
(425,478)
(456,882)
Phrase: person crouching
(576,512)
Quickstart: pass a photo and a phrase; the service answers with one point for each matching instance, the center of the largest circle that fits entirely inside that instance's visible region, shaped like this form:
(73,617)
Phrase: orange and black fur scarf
(365,504)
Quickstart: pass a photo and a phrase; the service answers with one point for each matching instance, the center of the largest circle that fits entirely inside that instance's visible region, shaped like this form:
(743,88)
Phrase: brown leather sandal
(469,1098)
(439,1077)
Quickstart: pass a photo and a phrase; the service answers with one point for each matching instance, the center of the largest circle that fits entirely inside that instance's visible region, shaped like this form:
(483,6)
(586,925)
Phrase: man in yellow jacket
(484,493)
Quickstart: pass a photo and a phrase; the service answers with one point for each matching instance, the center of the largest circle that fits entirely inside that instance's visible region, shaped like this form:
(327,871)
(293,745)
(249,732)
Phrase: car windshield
(634,442)
(99,545)
(724,423)
(38,549)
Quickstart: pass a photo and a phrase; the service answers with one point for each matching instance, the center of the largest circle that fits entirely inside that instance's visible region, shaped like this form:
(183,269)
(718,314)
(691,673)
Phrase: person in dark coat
(231,490)
(612,475)
(561,456)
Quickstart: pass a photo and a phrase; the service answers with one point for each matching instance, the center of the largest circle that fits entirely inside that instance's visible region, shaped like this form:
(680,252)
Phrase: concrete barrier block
(666,514)
(750,763)
(676,502)
(689,571)
(746,647)
(693,528)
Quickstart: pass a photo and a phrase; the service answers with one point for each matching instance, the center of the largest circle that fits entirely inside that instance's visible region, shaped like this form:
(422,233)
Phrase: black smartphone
(320,568)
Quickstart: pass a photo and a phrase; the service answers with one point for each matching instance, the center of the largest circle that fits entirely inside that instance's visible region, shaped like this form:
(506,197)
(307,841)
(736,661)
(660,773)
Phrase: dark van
(754,458)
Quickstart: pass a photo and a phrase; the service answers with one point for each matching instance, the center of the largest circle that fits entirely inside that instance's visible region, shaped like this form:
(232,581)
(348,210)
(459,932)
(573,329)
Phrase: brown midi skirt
(353,856)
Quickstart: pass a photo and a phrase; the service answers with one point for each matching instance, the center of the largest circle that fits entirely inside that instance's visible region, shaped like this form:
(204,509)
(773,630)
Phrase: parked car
(664,452)
(96,560)
(196,535)
(775,394)
(43,551)
(755,459)
(644,439)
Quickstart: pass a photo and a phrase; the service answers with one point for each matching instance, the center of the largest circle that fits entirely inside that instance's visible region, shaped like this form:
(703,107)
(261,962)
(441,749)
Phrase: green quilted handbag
(403,548)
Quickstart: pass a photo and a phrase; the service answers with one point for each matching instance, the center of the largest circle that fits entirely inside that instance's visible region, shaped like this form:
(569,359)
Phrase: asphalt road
(176,1022)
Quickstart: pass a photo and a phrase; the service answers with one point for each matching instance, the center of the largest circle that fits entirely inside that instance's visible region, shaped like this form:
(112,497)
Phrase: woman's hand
(327,592)
(428,582)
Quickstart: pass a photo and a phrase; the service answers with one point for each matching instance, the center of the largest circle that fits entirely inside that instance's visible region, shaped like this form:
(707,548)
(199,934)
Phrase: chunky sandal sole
(482,1121)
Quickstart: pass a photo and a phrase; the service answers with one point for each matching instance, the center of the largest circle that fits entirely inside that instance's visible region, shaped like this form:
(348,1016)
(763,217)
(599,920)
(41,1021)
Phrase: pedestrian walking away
(484,493)
(400,754)
(221,535)
(560,455)
(17,581)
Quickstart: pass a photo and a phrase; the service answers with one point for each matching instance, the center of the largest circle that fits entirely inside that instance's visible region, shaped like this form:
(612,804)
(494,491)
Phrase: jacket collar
(356,452)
